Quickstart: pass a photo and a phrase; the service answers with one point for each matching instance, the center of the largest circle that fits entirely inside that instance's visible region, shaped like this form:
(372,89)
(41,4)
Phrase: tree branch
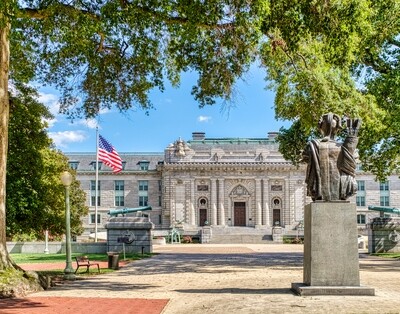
(43,13)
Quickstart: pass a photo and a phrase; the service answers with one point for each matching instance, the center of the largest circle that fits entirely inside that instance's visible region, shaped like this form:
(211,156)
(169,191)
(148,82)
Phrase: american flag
(109,156)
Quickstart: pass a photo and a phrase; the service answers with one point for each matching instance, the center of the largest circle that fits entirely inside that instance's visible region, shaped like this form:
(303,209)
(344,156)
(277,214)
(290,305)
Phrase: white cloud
(89,123)
(105,110)
(61,139)
(203,118)
(50,101)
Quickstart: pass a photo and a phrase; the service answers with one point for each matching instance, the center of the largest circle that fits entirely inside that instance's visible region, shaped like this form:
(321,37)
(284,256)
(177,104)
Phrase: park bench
(84,261)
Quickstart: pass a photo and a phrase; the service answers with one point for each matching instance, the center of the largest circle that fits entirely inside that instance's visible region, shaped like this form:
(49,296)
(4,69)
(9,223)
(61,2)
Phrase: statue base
(331,265)
(304,290)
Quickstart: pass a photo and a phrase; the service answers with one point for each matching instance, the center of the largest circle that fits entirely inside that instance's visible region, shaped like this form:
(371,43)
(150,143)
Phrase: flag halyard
(109,156)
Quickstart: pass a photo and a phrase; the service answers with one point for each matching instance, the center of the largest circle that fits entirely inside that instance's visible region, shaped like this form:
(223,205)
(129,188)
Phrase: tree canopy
(342,57)
(319,56)
(35,199)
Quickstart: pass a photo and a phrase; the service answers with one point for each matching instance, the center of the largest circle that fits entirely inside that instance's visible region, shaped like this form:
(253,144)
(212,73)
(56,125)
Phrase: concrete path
(232,279)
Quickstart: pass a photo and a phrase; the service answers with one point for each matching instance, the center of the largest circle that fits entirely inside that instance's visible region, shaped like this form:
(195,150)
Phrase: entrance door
(276,216)
(203,216)
(239,214)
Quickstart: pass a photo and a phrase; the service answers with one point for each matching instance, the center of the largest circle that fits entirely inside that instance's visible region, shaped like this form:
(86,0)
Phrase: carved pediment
(240,190)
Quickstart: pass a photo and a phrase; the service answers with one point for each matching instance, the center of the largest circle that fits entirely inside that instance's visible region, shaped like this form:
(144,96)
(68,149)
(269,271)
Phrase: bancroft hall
(237,187)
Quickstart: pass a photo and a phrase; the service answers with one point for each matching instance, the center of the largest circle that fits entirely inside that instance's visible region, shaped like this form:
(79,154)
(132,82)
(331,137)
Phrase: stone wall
(56,247)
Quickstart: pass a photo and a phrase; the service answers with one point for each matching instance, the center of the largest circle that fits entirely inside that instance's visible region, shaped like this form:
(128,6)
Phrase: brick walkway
(214,279)
(68,305)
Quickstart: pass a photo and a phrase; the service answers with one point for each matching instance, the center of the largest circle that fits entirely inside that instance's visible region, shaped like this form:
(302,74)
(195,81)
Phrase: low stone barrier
(56,247)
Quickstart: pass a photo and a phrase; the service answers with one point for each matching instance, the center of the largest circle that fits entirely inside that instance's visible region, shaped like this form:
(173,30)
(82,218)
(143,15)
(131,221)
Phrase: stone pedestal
(129,234)
(331,265)
(277,234)
(206,234)
(384,235)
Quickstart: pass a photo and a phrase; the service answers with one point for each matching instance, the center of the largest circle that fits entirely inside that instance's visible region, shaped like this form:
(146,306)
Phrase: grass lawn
(390,255)
(57,274)
(55,258)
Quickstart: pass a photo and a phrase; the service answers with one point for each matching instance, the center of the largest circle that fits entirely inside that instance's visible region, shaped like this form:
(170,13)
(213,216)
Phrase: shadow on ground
(238,291)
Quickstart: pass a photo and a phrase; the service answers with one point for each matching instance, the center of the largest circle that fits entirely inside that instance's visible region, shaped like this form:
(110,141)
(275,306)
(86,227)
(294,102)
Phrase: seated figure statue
(331,165)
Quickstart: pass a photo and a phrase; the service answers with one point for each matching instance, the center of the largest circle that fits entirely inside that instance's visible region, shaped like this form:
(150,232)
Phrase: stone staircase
(220,235)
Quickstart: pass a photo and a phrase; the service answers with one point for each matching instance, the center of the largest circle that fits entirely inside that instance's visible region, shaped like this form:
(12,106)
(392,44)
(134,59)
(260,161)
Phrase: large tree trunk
(4,116)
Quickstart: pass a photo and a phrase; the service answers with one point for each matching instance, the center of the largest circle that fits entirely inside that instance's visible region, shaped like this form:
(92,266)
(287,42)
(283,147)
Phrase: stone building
(226,183)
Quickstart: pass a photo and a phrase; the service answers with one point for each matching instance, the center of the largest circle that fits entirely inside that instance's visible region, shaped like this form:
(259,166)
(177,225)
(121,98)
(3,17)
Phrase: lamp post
(66,179)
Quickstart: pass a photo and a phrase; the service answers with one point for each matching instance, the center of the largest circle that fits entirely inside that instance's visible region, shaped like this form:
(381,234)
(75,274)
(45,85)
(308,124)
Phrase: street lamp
(66,179)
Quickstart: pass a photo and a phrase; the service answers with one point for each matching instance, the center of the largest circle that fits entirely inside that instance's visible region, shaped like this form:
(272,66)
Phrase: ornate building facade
(220,182)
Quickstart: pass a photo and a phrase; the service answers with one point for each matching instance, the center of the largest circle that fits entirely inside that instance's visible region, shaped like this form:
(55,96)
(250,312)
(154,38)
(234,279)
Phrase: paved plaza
(241,278)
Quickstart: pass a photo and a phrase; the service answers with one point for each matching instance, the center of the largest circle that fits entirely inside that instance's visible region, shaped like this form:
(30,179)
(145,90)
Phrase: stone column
(286,206)
(266,216)
(193,203)
(221,202)
(213,202)
(258,204)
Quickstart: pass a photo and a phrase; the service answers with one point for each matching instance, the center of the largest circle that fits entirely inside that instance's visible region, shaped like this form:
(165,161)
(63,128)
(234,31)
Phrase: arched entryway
(239,202)
(276,212)
(203,210)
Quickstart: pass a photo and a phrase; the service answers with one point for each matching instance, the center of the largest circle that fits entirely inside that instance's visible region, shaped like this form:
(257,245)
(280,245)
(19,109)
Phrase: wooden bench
(84,261)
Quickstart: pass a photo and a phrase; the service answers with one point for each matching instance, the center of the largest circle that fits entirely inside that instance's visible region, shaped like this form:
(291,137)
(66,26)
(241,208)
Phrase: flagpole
(96,184)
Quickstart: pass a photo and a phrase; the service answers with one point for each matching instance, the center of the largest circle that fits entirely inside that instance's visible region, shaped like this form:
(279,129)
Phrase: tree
(315,69)
(35,199)
(25,165)
(113,52)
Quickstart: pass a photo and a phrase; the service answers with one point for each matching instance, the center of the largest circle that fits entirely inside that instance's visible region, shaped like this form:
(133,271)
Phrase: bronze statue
(331,165)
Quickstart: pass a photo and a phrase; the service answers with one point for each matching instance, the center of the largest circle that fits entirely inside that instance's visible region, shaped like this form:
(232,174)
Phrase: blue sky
(176,114)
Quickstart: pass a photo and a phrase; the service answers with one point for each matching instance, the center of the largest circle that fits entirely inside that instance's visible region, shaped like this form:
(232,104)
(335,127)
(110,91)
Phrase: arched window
(203,202)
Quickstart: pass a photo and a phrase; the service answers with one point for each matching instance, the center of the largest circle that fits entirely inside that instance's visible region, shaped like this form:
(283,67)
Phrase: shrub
(187,239)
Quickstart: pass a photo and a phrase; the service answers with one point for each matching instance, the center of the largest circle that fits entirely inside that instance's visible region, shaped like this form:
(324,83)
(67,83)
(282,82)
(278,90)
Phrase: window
(384,186)
(384,200)
(203,202)
(119,192)
(384,194)
(159,185)
(73,165)
(92,218)
(143,200)
(93,193)
(360,200)
(143,185)
(361,219)
(143,192)
(93,163)
(144,165)
(159,200)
